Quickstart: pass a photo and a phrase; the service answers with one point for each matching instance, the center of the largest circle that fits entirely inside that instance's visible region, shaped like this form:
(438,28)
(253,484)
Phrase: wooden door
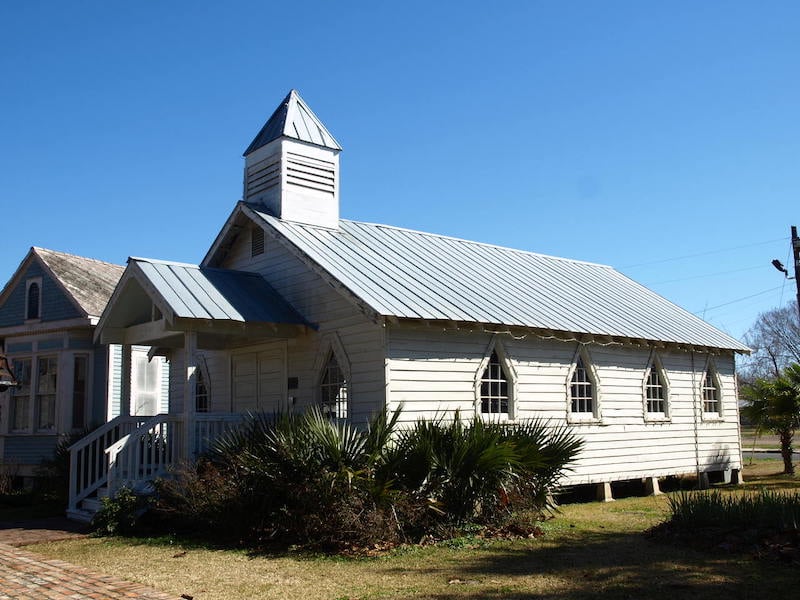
(259,380)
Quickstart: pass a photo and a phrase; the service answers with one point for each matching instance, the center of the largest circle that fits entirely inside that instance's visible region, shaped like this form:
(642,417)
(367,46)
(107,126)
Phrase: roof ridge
(39,249)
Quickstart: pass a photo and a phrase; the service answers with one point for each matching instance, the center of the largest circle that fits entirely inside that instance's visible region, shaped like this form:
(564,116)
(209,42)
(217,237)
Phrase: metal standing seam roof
(294,119)
(411,274)
(193,292)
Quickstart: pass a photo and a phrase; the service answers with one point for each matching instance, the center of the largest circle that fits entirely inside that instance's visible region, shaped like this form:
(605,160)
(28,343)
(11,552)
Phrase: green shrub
(119,515)
(305,479)
(765,510)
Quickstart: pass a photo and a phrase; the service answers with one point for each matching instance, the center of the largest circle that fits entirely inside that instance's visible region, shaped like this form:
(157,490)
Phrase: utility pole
(796,254)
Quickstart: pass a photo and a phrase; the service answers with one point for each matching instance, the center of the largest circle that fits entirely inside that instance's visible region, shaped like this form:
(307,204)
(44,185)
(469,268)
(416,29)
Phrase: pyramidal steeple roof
(294,119)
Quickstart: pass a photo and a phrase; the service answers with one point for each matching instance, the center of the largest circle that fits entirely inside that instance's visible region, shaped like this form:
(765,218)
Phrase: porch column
(125,384)
(189,392)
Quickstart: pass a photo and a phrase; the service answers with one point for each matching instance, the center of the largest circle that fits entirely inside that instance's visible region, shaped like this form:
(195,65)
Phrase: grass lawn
(588,550)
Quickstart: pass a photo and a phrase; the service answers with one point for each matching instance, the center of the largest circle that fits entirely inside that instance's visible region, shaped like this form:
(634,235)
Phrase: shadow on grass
(615,566)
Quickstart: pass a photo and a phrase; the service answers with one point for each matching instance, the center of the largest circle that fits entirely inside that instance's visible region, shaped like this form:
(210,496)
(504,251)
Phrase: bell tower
(292,167)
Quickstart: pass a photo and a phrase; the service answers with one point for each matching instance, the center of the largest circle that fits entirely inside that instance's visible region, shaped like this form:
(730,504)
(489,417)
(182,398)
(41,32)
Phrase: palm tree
(774,405)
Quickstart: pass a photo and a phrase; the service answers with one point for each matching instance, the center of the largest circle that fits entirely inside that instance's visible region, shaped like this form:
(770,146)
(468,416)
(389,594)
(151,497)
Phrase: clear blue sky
(626,133)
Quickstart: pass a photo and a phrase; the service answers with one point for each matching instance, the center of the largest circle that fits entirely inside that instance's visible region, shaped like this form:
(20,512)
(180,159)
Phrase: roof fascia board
(132,272)
(60,284)
(16,277)
(564,336)
(230,223)
(348,294)
(47,326)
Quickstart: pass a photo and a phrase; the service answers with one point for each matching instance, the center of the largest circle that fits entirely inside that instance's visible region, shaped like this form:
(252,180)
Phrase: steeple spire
(292,166)
(294,119)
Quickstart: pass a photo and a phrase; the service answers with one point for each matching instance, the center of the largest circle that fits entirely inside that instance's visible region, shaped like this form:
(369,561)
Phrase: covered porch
(182,311)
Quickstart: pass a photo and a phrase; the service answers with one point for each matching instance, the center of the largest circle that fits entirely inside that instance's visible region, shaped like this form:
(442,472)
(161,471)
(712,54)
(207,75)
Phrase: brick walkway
(25,575)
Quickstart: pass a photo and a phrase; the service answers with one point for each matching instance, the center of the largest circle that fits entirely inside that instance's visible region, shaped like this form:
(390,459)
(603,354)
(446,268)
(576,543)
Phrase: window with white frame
(582,388)
(33,299)
(495,392)
(21,395)
(711,392)
(656,390)
(46,389)
(333,389)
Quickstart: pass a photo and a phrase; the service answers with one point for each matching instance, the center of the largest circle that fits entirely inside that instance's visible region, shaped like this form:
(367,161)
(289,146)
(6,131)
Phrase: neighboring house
(293,306)
(48,312)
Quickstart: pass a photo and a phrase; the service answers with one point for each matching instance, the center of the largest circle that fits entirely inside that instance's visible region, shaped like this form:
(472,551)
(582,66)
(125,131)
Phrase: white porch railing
(88,465)
(130,451)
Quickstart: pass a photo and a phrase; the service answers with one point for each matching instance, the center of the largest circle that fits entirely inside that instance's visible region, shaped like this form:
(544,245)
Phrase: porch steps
(89,507)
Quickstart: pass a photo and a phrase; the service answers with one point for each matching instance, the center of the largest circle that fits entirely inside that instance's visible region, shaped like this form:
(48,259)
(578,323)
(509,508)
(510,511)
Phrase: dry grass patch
(588,550)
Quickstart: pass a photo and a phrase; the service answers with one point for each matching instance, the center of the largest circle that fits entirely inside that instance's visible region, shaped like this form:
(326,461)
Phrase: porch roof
(157,301)
(192,292)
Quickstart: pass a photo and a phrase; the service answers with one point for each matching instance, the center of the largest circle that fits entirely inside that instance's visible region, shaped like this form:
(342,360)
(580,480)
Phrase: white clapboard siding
(333,314)
(433,372)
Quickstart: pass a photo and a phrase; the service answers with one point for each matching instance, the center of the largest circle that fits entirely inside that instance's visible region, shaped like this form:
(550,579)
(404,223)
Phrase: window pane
(494,393)
(333,390)
(46,393)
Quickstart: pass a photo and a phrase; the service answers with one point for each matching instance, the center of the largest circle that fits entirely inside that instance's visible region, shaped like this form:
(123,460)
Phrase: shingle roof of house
(205,293)
(89,281)
(294,119)
(411,274)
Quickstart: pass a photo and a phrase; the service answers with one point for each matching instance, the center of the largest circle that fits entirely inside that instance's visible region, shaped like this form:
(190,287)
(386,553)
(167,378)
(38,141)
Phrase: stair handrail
(126,450)
(87,461)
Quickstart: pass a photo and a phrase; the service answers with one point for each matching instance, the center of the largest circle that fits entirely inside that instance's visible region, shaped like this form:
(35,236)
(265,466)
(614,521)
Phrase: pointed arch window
(583,397)
(333,389)
(33,300)
(495,389)
(711,391)
(581,389)
(656,391)
(201,391)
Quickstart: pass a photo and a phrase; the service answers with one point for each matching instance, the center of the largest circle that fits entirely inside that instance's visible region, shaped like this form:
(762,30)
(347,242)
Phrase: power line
(737,300)
(719,251)
(708,275)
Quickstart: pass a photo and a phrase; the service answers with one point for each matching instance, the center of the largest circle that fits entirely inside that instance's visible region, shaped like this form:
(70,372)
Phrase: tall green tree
(773,404)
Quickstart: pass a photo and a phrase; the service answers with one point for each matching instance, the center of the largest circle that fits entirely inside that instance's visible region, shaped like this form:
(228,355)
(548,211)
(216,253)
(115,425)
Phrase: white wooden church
(293,306)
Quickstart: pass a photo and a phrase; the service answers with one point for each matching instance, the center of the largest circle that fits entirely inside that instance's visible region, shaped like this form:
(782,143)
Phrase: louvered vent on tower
(315,174)
(263,176)
(292,167)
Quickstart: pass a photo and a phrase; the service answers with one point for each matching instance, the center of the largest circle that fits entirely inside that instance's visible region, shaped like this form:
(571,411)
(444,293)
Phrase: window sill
(574,419)
(656,420)
(713,418)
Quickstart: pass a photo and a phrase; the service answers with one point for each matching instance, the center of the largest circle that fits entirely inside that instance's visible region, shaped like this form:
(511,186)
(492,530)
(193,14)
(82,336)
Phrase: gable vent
(256,242)
(262,176)
(312,173)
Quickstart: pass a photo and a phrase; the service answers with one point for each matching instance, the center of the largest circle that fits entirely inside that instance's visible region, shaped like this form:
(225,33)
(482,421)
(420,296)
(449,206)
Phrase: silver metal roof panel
(411,274)
(204,293)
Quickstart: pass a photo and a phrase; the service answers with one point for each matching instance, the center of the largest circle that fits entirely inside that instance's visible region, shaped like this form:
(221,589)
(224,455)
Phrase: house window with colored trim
(333,389)
(33,299)
(21,395)
(495,393)
(711,392)
(46,388)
